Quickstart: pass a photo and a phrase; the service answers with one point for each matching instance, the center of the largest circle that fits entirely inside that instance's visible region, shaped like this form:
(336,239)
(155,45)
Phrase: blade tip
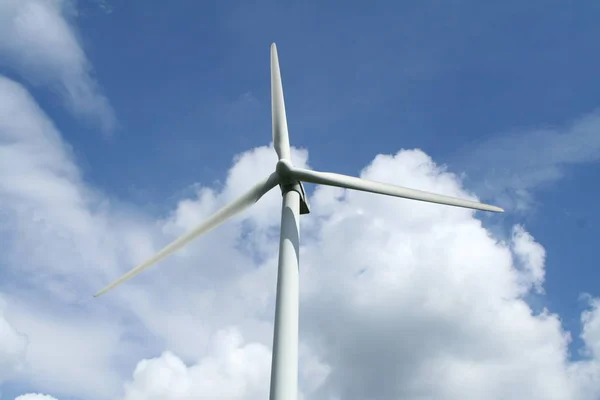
(102,291)
(497,209)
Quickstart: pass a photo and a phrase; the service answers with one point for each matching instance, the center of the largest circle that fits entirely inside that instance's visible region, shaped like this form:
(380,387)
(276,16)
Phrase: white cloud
(230,370)
(531,257)
(44,197)
(585,374)
(399,298)
(68,240)
(57,246)
(12,346)
(35,396)
(38,41)
(226,278)
(421,302)
(590,320)
(409,299)
(68,352)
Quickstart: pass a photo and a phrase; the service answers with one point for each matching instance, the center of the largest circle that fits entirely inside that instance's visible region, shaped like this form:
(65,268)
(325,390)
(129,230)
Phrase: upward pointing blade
(281,141)
(243,202)
(350,182)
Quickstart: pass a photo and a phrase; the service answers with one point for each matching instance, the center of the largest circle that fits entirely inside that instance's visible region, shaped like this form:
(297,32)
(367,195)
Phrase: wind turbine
(284,368)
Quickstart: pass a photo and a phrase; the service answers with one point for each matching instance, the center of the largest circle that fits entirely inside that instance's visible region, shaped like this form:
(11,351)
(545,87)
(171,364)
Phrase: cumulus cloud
(586,373)
(412,300)
(225,278)
(40,43)
(531,257)
(591,327)
(400,299)
(231,370)
(420,301)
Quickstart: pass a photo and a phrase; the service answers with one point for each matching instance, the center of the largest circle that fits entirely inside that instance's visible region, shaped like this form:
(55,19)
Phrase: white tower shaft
(284,367)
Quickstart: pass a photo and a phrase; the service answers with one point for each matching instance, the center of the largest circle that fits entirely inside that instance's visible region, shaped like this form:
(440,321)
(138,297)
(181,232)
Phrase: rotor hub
(284,169)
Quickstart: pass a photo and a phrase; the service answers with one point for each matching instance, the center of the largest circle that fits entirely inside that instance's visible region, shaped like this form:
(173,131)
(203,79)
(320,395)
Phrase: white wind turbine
(284,368)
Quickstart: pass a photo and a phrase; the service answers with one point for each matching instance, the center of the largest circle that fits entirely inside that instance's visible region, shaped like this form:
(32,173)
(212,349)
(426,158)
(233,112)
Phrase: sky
(125,123)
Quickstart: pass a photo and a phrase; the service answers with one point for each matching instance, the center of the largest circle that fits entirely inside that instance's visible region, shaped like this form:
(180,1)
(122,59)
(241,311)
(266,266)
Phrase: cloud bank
(399,299)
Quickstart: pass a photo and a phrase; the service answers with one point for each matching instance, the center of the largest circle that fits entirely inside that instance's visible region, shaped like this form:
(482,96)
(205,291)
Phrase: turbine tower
(284,367)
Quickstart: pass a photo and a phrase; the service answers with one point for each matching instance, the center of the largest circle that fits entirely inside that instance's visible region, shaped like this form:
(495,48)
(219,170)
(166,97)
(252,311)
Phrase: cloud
(40,184)
(399,299)
(12,346)
(35,396)
(57,247)
(420,301)
(231,370)
(586,373)
(531,256)
(225,278)
(66,240)
(590,320)
(423,293)
(38,42)
(511,166)
(67,354)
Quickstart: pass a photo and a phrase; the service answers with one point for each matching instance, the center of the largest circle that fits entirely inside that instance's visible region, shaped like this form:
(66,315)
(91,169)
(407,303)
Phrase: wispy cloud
(39,42)
(510,167)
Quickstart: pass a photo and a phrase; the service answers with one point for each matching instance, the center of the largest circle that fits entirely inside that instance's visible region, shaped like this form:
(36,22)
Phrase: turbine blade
(281,140)
(243,202)
(350,182)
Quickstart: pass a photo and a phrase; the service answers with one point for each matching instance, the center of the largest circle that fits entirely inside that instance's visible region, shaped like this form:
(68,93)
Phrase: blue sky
(505,95)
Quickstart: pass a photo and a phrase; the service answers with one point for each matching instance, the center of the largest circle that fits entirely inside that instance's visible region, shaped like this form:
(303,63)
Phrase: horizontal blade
(243,202)
(281,141)
(350,182)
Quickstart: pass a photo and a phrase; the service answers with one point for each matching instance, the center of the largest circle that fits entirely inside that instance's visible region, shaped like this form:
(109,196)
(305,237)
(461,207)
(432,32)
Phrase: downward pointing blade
(350,182)
(243,202)
(281,141)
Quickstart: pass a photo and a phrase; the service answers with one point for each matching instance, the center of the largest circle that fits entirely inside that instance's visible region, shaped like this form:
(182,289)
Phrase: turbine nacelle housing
(285,171)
